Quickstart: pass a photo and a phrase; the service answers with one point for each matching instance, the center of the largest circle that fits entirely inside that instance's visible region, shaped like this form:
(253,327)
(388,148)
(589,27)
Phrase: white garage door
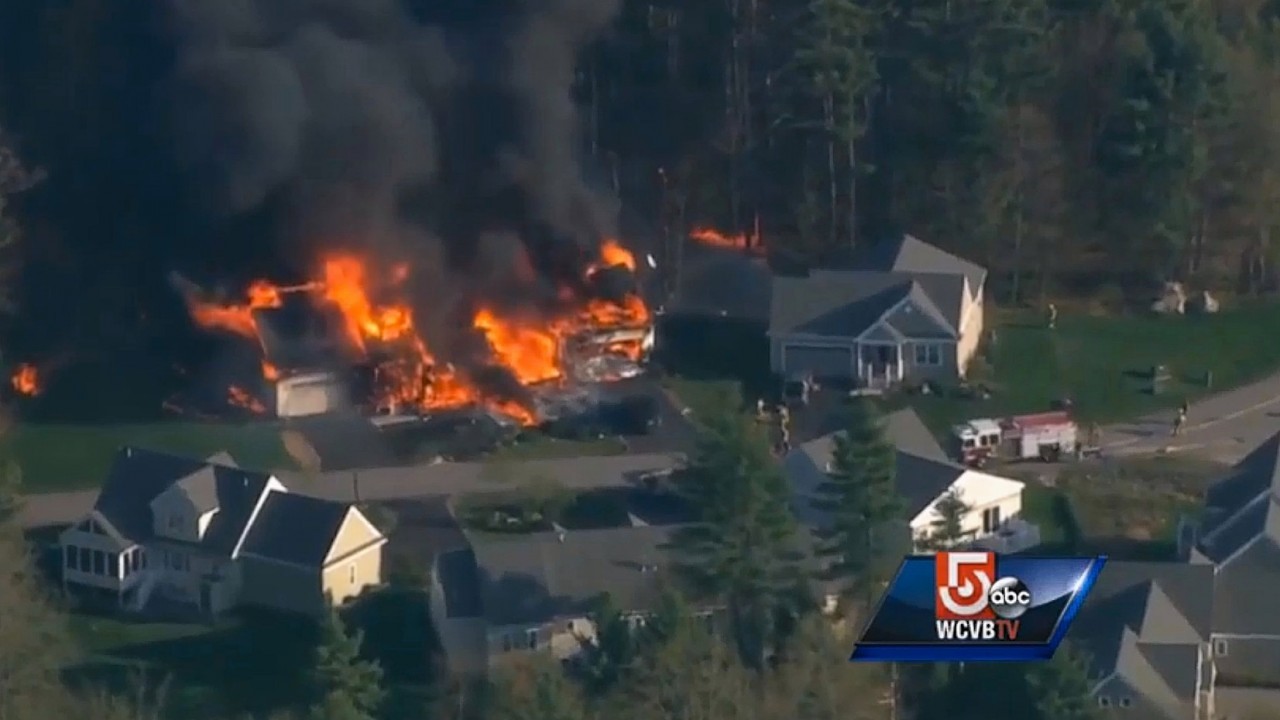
(822,362)
(310,395)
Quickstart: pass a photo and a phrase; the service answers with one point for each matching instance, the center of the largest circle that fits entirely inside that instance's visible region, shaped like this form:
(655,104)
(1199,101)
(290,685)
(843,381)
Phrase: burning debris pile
(528,370)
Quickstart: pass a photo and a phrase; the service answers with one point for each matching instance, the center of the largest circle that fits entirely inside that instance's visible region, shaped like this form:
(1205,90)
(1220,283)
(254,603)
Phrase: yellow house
(906,311)
(211,536)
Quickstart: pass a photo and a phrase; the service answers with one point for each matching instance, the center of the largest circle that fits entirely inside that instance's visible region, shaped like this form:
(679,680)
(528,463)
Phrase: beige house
(907,311)
(207,535)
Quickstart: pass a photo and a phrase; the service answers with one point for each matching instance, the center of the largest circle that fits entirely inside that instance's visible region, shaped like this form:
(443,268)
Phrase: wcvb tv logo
(977,606)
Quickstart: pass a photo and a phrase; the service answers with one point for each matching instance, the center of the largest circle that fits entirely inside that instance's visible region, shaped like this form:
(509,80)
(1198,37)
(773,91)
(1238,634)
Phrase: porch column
(66,564)
(117,569)
(898,347)
(857,361)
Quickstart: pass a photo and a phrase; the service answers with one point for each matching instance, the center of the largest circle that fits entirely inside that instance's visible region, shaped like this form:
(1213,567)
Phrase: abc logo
(1009,598)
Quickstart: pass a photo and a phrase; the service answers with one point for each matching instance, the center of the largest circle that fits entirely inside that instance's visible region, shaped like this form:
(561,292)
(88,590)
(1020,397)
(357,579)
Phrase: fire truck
(1047,436)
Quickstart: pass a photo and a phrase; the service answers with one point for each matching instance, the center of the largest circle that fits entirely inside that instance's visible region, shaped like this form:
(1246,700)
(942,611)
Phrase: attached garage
(821,362)
(309,394)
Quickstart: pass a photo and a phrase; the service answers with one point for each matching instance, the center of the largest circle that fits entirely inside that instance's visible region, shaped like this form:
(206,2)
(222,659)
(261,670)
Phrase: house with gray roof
(508,595)
(905,310)
(1145,632)
(1237,533)
(209,536)
(924,475)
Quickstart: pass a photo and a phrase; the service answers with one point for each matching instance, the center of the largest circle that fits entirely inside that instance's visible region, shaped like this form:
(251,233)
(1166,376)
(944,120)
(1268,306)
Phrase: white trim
(1233,556)
(108,528)
(352,511)
(1242,636)
(273,485)
(351,557)
(1228,520)
(892,309)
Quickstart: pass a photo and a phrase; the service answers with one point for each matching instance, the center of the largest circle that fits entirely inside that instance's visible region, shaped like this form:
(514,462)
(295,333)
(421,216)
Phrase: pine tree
(946,530)
(861,497)
(1060,687)
(534,688)
(343,685)
(741,551)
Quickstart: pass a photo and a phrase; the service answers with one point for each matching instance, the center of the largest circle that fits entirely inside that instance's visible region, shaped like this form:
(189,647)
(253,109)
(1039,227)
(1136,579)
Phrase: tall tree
(534,688)
(946,529)
(860,497)
(343,685)
(741,550)
(15,177)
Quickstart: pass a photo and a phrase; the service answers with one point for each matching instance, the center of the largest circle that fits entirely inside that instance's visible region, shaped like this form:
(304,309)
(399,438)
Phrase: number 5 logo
(963,581)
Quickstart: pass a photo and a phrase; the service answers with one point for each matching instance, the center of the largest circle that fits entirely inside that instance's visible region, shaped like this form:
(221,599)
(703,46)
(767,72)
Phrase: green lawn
(539,447)
(71,457)
(1103,363)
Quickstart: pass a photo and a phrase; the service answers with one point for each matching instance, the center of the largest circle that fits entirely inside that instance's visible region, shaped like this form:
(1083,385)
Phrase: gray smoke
(368,124)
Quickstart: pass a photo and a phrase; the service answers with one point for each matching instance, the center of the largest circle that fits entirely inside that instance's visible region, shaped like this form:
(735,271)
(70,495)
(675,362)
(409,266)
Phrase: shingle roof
(201,488)
(909,254)
(1256,474)
(137,476)
(460,583)
(922,471)
(1145,622)
(721,282)
(533,578)
(296,529)
(1245,591)
(834,303)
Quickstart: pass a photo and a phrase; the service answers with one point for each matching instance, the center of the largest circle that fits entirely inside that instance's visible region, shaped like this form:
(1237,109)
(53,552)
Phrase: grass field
(1103,363)
(69,457)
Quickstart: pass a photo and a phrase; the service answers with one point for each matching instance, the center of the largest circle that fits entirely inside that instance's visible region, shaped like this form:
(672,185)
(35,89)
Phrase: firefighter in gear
(1180,420)
(784,428)
(1053,316)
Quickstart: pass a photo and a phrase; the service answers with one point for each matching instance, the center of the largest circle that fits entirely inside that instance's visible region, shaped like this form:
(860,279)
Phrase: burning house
(334,344)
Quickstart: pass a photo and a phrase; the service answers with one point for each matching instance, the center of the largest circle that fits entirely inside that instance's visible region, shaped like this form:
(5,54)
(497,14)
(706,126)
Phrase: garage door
(300,397)
(822,362)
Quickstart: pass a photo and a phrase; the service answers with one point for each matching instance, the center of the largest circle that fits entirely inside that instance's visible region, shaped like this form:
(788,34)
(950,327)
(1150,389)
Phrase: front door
(880,365)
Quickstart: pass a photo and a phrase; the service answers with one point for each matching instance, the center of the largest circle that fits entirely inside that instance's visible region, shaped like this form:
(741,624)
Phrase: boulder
(1172,301)
(1205,303)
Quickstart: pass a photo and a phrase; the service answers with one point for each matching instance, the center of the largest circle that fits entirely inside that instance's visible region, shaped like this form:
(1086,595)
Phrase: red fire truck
(1047,436)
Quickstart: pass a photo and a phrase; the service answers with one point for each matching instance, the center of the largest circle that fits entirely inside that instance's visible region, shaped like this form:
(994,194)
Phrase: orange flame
(529,348)
(26,380)
(740,241)
(239,397)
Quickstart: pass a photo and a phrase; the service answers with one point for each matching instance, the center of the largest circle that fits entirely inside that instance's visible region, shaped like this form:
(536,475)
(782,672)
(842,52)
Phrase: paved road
(438,479)
(1223,427)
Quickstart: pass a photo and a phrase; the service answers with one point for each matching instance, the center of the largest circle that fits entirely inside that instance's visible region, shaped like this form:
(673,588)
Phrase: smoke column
(453,142)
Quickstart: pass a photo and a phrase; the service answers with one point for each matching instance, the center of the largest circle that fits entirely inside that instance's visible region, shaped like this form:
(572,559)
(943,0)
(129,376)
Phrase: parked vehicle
(1047,436)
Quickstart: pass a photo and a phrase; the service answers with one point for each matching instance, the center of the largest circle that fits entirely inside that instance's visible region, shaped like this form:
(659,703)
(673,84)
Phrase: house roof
(909,254)
(722,282)
(534,578)
(297,529)
(138,476)
(1245,590)
(847,303)
(1144,622)
(922,471)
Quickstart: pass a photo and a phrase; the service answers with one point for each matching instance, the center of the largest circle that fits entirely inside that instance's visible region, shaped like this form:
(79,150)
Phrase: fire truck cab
(1044,436)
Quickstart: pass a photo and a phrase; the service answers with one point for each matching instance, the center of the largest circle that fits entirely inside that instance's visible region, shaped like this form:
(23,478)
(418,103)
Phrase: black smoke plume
(443,132)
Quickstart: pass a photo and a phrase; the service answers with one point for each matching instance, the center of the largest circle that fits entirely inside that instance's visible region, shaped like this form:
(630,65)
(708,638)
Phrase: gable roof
(297,529)
(922,470)
(138,476)
(848,303)
(534,578)
(909,254)
(722,282)
(1244,506)
(1144,622)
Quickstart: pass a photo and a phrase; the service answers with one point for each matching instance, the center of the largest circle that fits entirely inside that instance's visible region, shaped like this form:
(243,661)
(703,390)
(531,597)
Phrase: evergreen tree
(533,688)
(741,550)
(946,530)
(861,498)
(343,685)
(613,651)
(1060,688)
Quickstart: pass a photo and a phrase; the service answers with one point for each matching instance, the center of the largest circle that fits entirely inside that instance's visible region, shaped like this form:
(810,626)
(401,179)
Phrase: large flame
(748,242)
(530,348)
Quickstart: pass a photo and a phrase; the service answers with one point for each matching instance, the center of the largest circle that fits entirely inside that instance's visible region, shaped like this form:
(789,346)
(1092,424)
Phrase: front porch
(878,365)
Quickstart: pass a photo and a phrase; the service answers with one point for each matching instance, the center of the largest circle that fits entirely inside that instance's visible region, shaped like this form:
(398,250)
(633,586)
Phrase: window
(1104,701)
(928,354)
(1126,702)
(991,519)
(531,639)
(142,558)
(113,565)
(1220,648)
(73,557)
(174,522)
(86,560)
(508,642)
(352,574)
(99,562)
